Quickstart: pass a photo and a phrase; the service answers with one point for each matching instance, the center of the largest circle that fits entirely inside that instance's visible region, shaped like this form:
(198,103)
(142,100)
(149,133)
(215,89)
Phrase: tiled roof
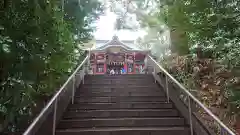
(129,44)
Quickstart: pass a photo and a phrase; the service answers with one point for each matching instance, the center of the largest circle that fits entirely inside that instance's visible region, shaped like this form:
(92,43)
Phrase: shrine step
(120,122)
(137,105)
(118,113)
(111,89)
(118,78)
(87,99)
(121,108)
(120,86)
(125,76)
(114,94)
(126,131)
(119,82)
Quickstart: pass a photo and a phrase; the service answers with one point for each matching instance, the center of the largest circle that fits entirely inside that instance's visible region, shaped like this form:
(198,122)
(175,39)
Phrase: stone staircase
(121,105)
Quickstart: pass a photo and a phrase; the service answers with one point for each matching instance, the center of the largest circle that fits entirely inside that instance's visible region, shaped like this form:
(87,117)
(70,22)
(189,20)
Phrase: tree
(209,30)
(37,53)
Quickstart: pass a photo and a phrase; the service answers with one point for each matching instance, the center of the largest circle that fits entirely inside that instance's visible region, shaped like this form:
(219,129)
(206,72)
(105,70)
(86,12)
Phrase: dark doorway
(115,66)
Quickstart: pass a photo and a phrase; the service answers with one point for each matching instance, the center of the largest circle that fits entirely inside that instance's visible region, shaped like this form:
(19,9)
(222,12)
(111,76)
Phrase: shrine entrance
(116,66)
(115,61)
(117,55)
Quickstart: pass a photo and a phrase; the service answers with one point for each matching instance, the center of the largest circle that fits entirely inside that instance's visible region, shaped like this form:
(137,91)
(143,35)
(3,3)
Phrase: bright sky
(105,29)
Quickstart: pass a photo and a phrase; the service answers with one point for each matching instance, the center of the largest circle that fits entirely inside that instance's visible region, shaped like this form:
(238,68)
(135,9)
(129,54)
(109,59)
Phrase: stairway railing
(195,111)
(45,122)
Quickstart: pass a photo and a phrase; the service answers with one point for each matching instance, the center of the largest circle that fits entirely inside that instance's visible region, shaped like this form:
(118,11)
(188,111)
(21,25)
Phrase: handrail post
(83,75)
(146,64)
(167,89)
(190,115)
(73,88)
(54,116)
(154,73)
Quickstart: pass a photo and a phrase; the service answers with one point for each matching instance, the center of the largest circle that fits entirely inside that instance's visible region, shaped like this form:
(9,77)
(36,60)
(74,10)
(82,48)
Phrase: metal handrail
(193,98)
(53,99)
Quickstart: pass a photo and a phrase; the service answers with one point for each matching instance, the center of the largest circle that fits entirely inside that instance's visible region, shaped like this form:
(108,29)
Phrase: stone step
(120,81)
(120,86)
(120,76)
(137,79)
(118,113)
(88,99)
(149,86)
(126,131)
(121,105)
(150,79)
(120,90)
(120,122)
(141,77)
(114,94)
(137,105)
(110,82)
(99,89)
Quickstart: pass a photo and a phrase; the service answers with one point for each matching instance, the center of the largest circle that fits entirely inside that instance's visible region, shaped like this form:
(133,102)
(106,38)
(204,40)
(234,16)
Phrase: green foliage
(209,32)
(38,52)
(80,14)
(206,23)
(212,29)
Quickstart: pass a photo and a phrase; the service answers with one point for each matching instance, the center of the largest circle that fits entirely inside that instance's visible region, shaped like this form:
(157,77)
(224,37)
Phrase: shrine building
(116,54)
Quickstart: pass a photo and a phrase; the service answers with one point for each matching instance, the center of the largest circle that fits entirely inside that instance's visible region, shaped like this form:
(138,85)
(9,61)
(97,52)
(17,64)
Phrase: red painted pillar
(134,65)
(95,64)
(134,68)
(125,67)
